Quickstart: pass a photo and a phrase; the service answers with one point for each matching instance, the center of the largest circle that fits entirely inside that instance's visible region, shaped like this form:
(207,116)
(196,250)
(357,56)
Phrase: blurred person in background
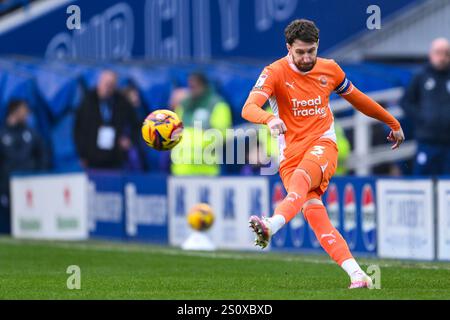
(344,148)
(21,149)
(177,97)
(427,105)
(133,96)
(258,155)
(135,156)
(202,107)
(106,126)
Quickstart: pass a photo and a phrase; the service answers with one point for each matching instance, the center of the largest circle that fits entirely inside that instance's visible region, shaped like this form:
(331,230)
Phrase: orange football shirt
(301,100)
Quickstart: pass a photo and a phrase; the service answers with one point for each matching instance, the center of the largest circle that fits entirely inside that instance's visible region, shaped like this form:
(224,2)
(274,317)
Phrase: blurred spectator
(427,105)
(262,154)
(344,150)
(106,126)
(21,150)
(203,107)
(177,97)
(135,156)
(133,96)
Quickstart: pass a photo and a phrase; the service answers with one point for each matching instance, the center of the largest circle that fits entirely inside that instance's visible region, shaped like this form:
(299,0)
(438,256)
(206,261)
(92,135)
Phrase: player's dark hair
(15,105)
(301,29)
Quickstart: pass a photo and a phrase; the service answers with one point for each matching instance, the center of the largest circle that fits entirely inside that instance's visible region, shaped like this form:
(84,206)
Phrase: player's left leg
(332,241)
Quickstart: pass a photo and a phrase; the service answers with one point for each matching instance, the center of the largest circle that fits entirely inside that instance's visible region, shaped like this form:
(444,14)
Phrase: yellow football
(162,129)
(200,217)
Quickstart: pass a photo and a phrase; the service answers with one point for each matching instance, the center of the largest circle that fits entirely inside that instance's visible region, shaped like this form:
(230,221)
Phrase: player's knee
(312,202)
(313,171)
(304,173)
(310,206)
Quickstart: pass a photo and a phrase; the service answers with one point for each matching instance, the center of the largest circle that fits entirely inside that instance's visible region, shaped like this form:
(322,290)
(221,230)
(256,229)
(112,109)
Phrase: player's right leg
(307,173)
(263,232)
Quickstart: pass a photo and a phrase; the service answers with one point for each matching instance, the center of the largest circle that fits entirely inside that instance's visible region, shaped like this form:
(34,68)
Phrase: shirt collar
(294,67)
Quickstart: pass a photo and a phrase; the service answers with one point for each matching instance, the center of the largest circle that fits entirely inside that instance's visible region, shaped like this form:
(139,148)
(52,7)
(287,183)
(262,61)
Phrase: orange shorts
(323,152)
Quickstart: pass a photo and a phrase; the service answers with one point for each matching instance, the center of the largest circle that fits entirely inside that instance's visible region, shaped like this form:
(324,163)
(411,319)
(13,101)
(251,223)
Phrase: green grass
(37,270)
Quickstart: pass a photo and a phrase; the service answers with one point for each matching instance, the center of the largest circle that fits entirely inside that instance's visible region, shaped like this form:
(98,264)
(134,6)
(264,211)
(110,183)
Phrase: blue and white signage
(106,210)
(443,225)
(233,200)
(146,207)
(405,219)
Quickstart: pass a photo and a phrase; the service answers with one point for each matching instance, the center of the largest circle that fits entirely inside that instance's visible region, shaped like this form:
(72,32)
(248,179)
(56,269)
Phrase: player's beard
(306,67)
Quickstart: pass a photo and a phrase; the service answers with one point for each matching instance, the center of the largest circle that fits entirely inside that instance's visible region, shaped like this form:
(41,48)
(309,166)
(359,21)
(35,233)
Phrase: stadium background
(156,45)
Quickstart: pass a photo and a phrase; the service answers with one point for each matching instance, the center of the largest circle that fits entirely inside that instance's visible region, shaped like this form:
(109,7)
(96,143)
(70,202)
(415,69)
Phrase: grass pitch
(37,270)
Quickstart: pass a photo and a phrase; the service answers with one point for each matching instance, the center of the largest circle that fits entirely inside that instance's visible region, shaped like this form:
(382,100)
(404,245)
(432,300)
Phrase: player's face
(304,54)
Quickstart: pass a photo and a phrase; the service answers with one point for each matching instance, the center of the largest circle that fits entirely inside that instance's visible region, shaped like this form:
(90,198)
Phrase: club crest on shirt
(323,81)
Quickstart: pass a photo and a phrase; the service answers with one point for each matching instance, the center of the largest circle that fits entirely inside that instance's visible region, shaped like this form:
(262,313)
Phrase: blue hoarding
(146,207)
(128,206)
(106,206)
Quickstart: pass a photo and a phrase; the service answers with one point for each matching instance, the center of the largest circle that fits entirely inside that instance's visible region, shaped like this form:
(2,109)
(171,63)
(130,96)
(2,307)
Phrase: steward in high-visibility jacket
(200,149)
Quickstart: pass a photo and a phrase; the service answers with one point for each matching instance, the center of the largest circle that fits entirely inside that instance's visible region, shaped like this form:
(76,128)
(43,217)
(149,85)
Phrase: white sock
(351,267)
(277,221)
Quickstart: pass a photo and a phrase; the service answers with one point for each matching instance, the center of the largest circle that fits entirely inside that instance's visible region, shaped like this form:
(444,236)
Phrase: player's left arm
(370,108)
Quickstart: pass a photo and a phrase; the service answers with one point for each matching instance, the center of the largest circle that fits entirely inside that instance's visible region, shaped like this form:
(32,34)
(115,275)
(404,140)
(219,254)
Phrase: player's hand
(277,127)
(396,136)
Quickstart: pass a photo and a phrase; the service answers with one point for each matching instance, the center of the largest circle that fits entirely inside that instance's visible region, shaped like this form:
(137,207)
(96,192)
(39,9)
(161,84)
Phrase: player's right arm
(253,111)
